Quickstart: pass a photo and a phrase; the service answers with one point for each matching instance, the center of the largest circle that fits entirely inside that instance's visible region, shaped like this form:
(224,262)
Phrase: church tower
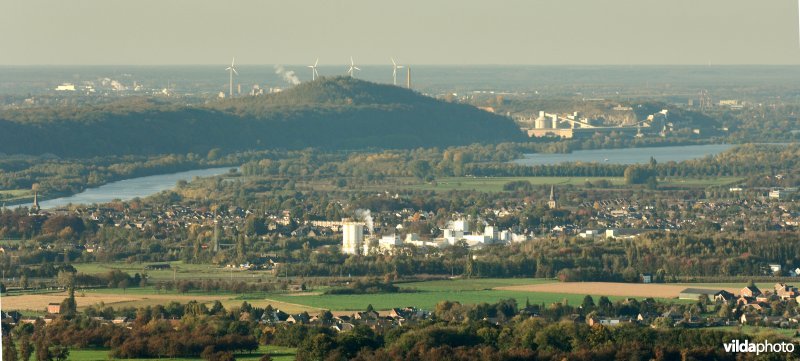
(552,202)
(35,207)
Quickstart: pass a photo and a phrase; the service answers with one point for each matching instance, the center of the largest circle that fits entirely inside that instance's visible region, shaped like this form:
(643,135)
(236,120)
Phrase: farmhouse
(54,308)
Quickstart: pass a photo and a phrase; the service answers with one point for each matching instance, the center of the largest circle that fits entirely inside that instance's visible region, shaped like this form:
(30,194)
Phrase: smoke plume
(366,216)
(288,76)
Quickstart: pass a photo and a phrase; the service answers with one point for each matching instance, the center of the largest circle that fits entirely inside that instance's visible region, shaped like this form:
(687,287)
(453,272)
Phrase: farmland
(178,270)
(15,195)
(495,184)
(608,289)
(276,352)
(111,297)
(425,294)
(465,291)
(422,294)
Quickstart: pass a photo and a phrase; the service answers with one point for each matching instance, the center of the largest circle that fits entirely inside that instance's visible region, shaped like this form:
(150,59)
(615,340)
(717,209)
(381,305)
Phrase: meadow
(13,195)
(656,290)
(429,293)
(422,294)
(178,270)
(276,352)
(495,184)
(758,331)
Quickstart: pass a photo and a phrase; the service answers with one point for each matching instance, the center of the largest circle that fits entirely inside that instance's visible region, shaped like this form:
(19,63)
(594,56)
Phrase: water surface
(130,188)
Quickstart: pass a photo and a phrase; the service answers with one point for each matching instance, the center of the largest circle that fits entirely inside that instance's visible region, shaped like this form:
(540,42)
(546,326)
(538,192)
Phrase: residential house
(54,308)
(785,292)
(723,296)
(750,291)
(301,318)
(343,327)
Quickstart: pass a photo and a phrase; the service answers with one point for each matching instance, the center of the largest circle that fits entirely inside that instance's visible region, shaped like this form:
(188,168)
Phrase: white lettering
(758,348)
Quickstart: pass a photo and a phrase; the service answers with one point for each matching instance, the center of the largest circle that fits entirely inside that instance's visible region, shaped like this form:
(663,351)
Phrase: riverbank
(128,189)
(59,177)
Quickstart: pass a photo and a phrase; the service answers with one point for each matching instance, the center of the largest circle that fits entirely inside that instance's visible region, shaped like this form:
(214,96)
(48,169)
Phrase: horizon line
(420,64)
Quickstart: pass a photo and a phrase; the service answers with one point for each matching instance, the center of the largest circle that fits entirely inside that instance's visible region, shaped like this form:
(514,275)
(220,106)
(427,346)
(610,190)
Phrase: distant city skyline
(442,32)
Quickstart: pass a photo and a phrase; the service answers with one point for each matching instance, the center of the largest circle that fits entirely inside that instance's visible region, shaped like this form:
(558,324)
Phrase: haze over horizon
(447,32)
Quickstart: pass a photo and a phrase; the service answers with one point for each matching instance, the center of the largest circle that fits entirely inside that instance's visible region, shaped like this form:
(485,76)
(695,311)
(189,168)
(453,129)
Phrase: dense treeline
(500,331)
(495,160)
(361,287)
(176,330)
(506,331)
(336,113)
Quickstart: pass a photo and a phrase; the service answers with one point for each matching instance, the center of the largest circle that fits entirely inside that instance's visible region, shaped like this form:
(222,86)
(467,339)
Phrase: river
(626,155)
(130,188)
(145,186)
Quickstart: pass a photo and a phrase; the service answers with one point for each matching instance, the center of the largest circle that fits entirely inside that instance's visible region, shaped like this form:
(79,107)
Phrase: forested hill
(331,113)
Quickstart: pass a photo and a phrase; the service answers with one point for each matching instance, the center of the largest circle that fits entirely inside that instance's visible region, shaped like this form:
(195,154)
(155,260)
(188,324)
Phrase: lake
(130,188)
(627,155)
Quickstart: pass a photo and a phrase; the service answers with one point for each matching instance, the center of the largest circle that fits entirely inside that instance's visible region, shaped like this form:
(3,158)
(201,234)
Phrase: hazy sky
(413,31)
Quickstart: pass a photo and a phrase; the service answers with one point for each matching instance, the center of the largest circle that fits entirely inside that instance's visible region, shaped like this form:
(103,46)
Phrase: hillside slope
(331,113)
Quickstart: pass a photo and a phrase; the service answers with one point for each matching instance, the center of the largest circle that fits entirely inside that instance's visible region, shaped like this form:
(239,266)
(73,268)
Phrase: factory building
(352,237)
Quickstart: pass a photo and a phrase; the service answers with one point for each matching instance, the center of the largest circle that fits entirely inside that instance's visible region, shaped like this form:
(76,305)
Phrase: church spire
(35,207)
(552,202)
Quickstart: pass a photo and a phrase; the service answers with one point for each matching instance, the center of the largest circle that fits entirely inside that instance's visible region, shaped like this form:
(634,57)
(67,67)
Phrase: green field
(15,195)
(422,294)
(277,353)
(699,182)
(495,184)
(478,284)
(758,331)
(466,291)
(179,270)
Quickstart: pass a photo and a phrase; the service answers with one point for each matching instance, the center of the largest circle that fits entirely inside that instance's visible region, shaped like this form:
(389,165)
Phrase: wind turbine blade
(233,60)
(393,63)
(316,63)
(234,70)
(357,68)
(400,66)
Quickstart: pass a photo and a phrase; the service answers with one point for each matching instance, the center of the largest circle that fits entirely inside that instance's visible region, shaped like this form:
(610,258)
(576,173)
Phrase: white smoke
(366,216)
(288,76)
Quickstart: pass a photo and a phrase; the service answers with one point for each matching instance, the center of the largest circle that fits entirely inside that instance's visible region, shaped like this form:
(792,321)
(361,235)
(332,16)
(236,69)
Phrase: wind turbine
(314,73)
(231,70)
(395,67)
(353,68)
